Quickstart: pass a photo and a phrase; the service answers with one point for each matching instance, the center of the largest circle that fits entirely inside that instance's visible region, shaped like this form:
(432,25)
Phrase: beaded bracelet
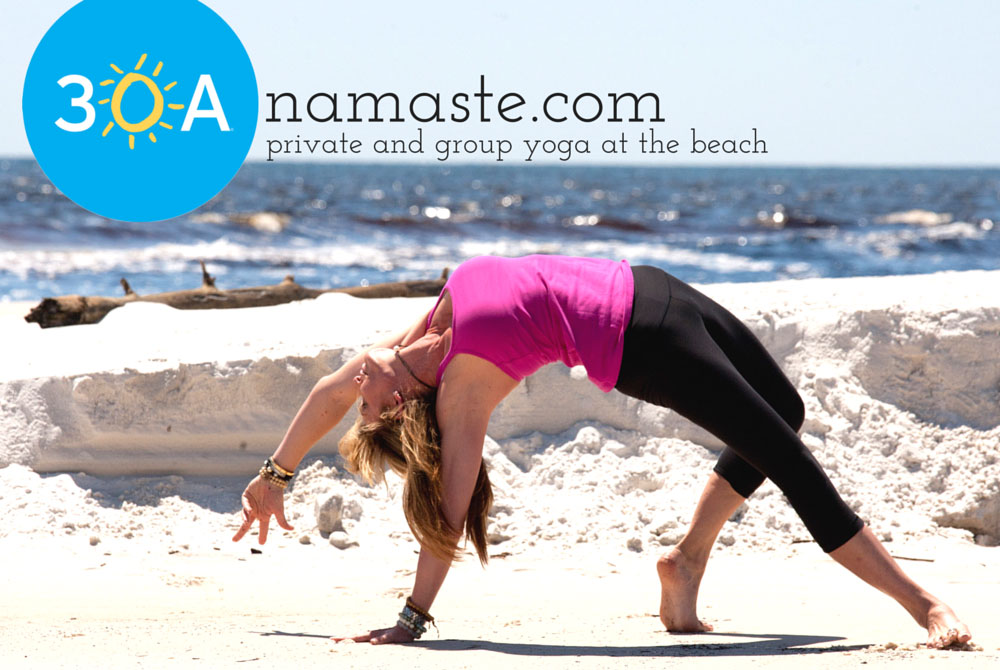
(275,474)
(278,471)
(412,622)
(422,612)
(269,476)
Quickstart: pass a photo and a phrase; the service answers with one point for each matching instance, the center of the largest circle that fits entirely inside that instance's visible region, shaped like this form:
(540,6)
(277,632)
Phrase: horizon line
(605,165)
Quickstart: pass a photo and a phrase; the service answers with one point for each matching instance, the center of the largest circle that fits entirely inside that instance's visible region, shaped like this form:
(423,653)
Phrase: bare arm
(463,431)
(470,390)
(328,402)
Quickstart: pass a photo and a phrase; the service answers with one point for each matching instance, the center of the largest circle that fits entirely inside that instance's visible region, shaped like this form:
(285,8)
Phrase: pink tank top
(521,313)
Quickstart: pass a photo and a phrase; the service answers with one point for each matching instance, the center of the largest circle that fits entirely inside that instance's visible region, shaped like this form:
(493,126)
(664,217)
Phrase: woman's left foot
(679,581)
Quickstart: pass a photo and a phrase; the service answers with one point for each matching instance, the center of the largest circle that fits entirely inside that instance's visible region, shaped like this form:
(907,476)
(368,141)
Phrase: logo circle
(140,111)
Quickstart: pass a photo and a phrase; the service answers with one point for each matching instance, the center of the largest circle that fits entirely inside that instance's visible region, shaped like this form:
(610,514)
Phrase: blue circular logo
(140,111)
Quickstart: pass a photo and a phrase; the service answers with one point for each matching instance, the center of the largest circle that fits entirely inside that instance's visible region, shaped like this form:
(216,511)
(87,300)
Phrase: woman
(427,394)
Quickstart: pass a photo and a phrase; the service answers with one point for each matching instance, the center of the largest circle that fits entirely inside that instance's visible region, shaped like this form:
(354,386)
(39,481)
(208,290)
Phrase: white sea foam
(661,253)
(421,260)
(893,243)
(918,217)
(170,258)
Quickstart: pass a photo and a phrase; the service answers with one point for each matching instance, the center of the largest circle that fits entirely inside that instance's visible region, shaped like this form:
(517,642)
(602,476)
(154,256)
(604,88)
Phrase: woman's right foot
(680,579)
(944,627)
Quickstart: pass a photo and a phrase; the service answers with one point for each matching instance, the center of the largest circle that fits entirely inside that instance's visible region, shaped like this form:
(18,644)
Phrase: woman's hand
(392,635)
(261,500)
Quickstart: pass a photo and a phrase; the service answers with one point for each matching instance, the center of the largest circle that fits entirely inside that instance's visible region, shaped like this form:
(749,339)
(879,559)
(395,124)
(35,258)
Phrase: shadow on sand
(758,644)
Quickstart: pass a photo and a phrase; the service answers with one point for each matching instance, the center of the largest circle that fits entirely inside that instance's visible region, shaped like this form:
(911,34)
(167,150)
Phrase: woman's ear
(397,408)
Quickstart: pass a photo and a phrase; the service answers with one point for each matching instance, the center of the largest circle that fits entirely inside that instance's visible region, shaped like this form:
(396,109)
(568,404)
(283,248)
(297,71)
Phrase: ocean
(338,225)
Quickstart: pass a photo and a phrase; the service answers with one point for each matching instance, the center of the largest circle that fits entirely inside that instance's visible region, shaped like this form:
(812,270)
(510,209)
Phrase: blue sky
(825,83)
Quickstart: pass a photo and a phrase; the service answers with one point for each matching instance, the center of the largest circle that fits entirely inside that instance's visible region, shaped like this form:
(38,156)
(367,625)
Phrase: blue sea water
(337,225)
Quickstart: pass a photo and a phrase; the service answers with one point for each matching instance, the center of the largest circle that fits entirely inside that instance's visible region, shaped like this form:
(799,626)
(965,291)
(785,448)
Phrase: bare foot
(680,578)
(944,628)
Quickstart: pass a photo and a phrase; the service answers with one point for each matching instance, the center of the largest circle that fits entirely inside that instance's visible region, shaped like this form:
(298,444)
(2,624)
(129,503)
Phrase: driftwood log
(71,310)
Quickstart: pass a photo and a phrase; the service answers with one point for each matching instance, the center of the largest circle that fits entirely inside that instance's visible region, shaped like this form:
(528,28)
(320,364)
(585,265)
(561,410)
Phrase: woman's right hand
(261,500)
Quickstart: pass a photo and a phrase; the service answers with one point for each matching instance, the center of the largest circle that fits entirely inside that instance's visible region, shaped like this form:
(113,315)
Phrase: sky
(851,82)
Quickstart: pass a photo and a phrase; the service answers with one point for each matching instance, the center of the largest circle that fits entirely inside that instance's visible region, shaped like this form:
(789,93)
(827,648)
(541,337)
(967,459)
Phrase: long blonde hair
(407,440)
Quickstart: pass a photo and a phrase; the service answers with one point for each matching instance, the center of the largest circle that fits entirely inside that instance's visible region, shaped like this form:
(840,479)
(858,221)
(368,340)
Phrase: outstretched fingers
(279,516)
(249,514)
(364,637)
(382,636)
(259,503)
(265,521)
(242,530)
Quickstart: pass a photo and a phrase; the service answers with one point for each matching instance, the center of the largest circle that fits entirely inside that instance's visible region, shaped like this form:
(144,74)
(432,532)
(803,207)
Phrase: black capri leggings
(688,353)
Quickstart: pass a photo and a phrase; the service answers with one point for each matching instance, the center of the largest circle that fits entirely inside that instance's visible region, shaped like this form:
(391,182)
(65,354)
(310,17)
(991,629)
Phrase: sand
(121,606)
(127,443)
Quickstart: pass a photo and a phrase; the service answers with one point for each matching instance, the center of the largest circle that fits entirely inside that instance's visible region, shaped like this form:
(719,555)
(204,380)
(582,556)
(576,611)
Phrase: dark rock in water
(595,220)
(622,224)
(405,221)
(779,219)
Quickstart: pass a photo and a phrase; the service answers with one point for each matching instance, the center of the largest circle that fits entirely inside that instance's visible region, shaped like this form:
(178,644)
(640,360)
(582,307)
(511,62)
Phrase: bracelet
(271,478)
(422,612)
(413,621)
(275,474)
(410,622)
(280,470)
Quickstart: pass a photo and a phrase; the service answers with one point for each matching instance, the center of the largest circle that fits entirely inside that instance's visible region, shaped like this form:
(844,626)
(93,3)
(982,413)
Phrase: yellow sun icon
(116,102)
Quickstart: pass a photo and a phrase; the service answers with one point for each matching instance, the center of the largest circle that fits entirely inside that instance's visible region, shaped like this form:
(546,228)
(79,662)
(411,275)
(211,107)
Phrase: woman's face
(378,384)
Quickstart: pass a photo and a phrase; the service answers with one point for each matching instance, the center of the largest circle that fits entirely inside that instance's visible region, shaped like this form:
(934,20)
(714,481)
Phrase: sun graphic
(119,93)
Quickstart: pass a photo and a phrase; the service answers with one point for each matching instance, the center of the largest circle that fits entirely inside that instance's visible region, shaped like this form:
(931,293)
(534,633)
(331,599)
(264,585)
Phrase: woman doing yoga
(426,395)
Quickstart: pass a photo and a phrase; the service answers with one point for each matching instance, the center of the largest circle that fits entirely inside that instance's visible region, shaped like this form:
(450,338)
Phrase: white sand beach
(124,447)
